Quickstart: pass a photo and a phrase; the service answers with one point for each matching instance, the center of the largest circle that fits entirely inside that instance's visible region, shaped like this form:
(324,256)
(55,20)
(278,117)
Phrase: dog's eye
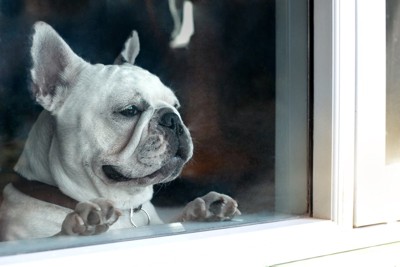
(131,111)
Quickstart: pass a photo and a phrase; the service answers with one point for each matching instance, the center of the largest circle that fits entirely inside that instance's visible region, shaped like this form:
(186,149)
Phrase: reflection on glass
(239,69)
(392,81)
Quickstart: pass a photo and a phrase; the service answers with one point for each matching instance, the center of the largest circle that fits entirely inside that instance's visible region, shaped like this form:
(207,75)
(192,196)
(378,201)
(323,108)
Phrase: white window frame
(331,228)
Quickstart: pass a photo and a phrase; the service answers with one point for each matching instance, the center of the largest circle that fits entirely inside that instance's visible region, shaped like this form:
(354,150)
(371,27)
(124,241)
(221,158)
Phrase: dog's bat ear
(130,51)
(53,63)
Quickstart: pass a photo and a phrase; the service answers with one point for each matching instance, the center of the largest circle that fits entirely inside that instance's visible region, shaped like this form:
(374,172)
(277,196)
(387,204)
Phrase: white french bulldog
(107,135)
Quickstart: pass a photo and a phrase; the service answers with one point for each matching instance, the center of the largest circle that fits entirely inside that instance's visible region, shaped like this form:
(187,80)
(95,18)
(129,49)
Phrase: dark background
(225,80)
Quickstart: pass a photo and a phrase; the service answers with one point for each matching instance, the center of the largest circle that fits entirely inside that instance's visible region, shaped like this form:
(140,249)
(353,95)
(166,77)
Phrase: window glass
(240,72)
(377,168)
(392,81)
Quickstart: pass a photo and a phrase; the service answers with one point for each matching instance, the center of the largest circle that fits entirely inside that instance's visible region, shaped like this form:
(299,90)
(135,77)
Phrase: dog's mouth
(165,173)
(169,171)
(113,174)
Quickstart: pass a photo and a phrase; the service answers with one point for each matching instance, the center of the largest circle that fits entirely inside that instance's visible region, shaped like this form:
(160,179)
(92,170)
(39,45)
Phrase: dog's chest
(25,217)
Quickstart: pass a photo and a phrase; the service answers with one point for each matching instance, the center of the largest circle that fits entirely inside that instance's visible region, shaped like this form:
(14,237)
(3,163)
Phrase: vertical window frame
(334,110)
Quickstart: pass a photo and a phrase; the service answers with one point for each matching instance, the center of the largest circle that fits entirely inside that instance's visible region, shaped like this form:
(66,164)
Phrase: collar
(44,192)
(53,195)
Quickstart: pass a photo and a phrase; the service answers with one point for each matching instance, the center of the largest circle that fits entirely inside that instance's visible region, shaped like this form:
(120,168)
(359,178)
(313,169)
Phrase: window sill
(254,245)
(383,255)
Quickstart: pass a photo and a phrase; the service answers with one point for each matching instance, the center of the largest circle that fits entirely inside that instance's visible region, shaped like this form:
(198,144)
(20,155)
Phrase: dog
(107,134)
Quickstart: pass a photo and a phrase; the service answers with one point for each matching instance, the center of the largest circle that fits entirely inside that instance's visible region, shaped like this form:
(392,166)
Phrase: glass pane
(240,72)
(392,81)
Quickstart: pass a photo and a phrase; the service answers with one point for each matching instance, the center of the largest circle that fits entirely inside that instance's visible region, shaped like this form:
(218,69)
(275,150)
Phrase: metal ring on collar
(136,210)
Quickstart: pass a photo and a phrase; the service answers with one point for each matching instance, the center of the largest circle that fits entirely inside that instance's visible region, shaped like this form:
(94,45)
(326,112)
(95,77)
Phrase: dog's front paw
(211,207)
(90,218)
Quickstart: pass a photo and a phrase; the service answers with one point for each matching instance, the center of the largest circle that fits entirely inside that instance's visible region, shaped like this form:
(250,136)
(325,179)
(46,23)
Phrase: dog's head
(116,124)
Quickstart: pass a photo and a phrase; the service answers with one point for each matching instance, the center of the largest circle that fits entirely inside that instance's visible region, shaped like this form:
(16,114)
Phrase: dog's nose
(172,121)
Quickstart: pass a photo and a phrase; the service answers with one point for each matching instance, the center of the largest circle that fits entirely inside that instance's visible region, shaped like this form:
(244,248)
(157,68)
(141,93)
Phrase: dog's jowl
(107,134)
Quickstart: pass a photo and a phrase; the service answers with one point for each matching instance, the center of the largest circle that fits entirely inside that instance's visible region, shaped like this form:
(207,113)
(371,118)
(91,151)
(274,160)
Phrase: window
(377,169)
(241,72)
(350,170)
(392,83)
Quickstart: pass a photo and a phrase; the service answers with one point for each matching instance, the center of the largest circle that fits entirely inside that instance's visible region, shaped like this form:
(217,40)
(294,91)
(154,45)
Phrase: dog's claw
(90,218)
(211,207)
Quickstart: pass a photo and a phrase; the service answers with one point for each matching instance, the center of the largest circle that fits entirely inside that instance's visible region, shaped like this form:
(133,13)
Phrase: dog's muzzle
(178,137)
